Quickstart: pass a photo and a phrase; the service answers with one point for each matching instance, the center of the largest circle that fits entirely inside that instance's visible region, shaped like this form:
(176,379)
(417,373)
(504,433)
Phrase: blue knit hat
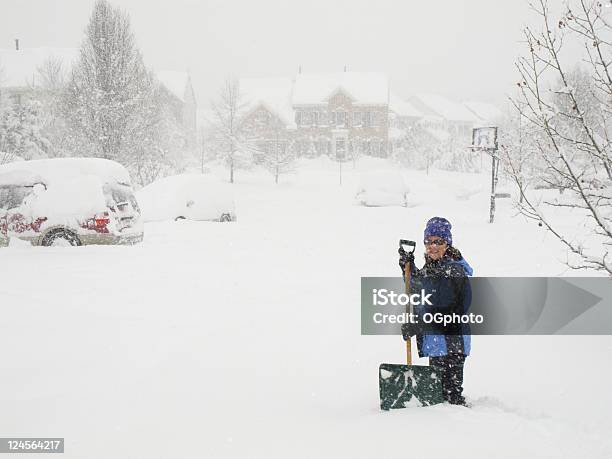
(441,227)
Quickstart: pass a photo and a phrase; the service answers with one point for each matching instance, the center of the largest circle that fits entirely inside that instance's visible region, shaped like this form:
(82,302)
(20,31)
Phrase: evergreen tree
(20,131)
(110,100)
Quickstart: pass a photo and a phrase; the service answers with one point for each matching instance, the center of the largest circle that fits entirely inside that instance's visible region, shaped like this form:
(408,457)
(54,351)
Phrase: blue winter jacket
(447,281)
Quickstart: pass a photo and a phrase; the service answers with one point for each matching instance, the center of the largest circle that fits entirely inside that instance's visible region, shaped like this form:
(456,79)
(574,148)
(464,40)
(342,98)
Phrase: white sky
(462,49)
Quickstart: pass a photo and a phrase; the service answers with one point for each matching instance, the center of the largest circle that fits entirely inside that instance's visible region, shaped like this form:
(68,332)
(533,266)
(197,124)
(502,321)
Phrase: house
(402,113)
(267,112)
(486,114)
(403,116)
(342,114)
(339,114)
(445,114)
(24,72)
(181,100)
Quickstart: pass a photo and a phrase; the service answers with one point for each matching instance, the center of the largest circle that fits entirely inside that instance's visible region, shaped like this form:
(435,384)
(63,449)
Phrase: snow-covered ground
(243,339)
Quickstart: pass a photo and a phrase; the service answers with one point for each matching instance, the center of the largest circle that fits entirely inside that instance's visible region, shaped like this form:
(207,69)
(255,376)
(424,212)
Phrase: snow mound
(382,188)
(189,196)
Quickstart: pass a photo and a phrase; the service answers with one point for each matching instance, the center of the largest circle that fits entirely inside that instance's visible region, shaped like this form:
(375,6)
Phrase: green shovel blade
(402,386)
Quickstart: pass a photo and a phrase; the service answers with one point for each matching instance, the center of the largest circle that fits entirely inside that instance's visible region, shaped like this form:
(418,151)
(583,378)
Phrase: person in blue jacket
(444,275)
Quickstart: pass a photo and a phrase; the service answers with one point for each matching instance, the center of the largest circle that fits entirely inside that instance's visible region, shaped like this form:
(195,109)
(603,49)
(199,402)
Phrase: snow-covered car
(187,196)
(382,188)
(68,201)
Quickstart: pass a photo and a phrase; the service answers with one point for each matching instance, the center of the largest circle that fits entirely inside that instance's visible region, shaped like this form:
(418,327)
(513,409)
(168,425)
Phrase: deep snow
(242,339)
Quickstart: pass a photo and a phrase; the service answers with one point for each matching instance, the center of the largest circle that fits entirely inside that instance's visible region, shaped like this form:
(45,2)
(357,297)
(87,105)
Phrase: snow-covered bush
(20,131)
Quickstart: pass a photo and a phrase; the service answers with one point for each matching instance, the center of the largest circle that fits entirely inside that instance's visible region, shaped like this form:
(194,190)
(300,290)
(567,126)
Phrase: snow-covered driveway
(243,339)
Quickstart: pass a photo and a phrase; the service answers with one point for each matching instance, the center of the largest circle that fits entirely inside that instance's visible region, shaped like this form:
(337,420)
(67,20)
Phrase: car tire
(180,217)
(60,237)
(225,218)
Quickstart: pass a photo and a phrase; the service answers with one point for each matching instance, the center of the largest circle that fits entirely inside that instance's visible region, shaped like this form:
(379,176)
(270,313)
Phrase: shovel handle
(408,341)
(408,352)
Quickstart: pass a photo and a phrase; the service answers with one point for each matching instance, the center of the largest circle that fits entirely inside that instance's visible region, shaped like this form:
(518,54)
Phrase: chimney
(299,69)
(16,44)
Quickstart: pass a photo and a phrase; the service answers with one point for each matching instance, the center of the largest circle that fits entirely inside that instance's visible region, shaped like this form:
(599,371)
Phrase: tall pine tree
(110,100)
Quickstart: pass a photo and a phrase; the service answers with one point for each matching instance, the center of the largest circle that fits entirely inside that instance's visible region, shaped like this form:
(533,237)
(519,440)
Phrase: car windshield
(12,196)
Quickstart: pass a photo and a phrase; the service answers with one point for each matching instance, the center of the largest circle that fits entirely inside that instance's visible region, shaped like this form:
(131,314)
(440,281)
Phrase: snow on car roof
(364,88)
(59,170)
(20,67)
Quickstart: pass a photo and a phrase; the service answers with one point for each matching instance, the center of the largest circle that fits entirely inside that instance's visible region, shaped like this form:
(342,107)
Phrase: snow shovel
(401,386)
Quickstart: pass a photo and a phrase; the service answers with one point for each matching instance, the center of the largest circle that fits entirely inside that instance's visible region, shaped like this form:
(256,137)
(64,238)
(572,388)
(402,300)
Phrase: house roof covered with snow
(20,68)
(403,108)
(272,93)
(363,88)
(434,104)
(176,82)
(486,113)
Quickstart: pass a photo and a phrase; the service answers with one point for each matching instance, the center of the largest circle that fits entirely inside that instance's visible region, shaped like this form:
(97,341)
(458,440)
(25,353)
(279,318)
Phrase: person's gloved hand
(408,330)
(405,257)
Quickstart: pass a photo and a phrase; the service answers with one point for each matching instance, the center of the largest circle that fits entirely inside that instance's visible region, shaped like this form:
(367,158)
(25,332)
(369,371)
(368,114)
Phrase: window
(315,118)
(298,118)
(15,99)
(262,117)
(357,118)
(306,118)
(340,118)
(12,196)
(374,117)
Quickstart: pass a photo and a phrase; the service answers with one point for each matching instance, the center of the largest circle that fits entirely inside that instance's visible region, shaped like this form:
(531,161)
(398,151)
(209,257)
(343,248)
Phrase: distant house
(342,113)
(338,114)
(443,113)
(27,71)
(402,113)
(267,111)
(23,72)
(181,100)
(486,114)
(403,116)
